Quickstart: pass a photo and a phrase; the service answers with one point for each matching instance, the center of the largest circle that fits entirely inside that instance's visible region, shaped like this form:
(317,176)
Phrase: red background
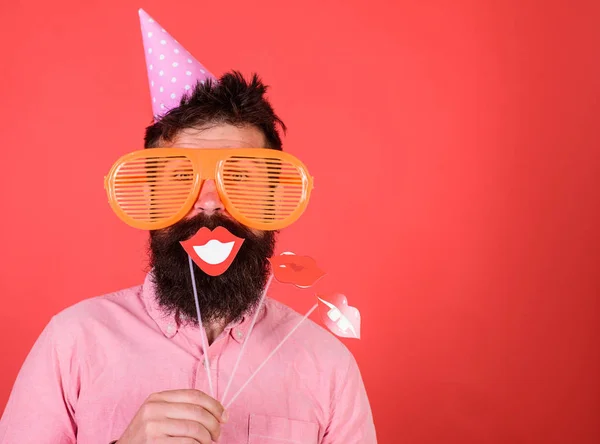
(455,150)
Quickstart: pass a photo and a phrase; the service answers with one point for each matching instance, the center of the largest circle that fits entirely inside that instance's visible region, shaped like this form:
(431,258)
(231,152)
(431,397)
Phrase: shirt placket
(215,350)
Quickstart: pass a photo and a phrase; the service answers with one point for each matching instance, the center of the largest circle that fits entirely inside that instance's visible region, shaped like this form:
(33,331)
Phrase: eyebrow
(206,144)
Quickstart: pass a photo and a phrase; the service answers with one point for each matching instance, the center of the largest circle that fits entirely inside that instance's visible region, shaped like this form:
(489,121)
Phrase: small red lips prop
(301,271)
(341,319)
(213,251)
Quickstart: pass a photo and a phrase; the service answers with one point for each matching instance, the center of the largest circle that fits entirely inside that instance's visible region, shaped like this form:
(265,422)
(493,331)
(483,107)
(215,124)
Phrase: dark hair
(230,100)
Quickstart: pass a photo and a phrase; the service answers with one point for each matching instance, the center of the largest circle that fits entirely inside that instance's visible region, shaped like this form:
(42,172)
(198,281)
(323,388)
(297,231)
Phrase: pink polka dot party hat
(172,70)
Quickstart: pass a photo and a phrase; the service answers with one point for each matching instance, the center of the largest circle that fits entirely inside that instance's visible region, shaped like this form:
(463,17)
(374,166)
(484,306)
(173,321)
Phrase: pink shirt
(96,362)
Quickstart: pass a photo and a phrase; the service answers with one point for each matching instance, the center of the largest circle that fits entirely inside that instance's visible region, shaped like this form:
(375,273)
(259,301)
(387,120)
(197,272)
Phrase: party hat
(172,70)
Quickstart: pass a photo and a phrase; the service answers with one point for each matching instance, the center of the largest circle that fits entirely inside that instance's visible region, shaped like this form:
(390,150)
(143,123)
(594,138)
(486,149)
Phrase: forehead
(220,136)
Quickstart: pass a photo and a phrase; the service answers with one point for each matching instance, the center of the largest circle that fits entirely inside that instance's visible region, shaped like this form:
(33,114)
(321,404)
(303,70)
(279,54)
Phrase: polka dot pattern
(172,70)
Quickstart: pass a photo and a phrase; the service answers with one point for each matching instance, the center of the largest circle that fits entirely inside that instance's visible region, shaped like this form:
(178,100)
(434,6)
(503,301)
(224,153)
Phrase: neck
(213,330)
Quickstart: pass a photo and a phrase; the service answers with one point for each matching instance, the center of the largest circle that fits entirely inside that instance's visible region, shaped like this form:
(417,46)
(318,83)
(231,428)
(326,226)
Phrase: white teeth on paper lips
(344,324)
(334,313)
(336,316)
(214,252)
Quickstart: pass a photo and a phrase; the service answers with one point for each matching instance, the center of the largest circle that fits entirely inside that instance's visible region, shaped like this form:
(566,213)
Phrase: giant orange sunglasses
(261,188)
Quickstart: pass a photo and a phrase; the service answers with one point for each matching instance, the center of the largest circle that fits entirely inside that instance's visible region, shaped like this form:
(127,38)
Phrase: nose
(208,200)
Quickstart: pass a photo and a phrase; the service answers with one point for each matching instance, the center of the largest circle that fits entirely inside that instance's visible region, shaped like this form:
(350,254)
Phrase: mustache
(186,228)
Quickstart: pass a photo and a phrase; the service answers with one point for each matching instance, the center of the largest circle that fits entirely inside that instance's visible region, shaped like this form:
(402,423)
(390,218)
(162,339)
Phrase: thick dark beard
(225,298)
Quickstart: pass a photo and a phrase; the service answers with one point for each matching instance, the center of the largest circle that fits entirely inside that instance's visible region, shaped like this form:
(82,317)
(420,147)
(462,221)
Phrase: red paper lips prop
(301,271)
(213,251)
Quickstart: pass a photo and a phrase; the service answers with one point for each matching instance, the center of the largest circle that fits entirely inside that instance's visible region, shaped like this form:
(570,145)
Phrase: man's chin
(226,296)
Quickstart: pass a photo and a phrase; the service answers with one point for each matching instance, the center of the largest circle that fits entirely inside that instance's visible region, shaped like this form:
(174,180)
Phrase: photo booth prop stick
(287,268)
(202,331)
(213,251)
(341,313)
(252,376)
(256,312)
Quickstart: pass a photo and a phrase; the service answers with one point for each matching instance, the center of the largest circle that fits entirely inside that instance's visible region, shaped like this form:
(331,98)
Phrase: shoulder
(97,311)
(82,332)
(310,340)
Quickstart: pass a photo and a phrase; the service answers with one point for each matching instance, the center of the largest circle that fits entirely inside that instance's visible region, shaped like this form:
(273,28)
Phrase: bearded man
(130,367)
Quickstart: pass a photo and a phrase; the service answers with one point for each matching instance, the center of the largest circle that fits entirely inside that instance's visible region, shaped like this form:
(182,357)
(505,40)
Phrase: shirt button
(170,328)
(239,334)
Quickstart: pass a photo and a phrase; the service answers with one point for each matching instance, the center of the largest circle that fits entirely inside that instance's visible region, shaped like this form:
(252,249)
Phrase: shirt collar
(239,330)
(170,324)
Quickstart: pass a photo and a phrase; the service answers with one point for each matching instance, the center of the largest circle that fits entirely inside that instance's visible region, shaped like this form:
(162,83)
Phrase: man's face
(225,297)
(221,136)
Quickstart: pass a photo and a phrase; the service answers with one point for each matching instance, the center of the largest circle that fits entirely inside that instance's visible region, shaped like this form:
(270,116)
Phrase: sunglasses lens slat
(152,189)
(264,190)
